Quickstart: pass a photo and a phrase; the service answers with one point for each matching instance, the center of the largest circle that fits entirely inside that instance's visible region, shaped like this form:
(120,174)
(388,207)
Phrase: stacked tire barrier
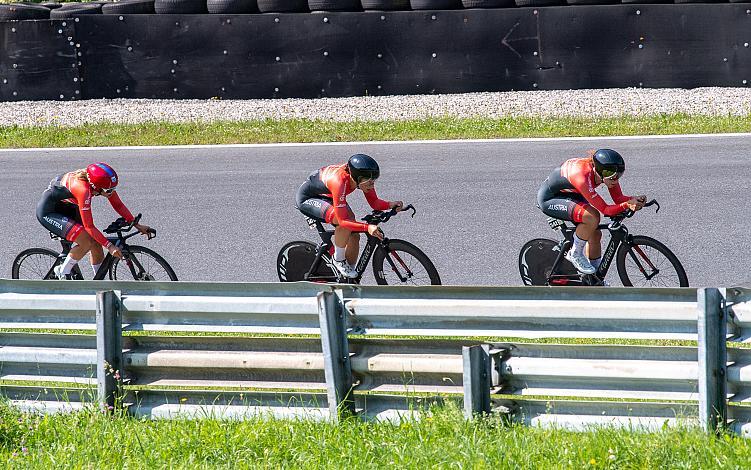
(123,50)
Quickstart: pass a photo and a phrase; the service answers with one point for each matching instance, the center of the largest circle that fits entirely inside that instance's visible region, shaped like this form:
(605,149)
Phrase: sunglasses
(611,174)
(104,191)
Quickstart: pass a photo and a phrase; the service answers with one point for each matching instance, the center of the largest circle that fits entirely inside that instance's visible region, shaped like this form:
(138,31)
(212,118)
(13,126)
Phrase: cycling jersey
(570,188)
(323,196)
(65,209)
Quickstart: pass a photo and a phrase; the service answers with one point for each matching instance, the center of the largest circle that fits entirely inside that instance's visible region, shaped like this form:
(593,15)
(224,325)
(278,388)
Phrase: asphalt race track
(223,213)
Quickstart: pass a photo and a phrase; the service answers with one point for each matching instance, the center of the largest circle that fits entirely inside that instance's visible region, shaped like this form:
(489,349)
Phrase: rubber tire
(400,245)
(16,266)
(488,3)
(23,12)
(129,7)
(680,2)
(282,259)
(539,3)
(180,7)
(435,4)
(385,5)
(74,11)
(620,259)
(593,2)
(143,251)
(51,5)
(646,2)
(537,269)
(232,7)
(334,5)
(282,6)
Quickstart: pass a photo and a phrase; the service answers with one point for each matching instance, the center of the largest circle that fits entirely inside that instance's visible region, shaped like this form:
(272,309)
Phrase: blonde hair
(80,174)
(590,154)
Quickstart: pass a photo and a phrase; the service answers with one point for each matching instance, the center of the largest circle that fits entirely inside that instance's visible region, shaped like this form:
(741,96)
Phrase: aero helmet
(363,167)
(608,163)
(101,176)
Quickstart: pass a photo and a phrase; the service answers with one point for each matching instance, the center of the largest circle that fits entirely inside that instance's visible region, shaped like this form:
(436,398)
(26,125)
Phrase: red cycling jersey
(337,182)
(81,192)
(580,174)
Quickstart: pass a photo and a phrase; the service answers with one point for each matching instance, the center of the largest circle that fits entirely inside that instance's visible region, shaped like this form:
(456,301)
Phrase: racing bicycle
(641,260)
(138,263)
(394,261)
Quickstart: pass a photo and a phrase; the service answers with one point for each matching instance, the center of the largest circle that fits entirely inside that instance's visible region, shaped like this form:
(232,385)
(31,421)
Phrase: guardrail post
(337,366)
(712,329)
(109,349)
(476,379)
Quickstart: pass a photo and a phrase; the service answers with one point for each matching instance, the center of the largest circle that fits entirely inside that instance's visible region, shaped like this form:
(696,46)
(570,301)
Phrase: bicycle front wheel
(404,264)
(141,264)
(37,263)
(645,262)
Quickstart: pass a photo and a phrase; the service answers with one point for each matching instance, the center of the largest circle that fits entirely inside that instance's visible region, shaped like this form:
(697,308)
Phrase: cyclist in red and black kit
(569,194)
(65,210)
(323,197)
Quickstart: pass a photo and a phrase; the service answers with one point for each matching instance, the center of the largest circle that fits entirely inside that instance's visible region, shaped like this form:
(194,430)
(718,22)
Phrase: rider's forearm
(120,208)
(376,202)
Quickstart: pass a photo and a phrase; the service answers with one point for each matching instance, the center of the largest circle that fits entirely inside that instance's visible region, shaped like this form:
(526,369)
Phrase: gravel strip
(565,103)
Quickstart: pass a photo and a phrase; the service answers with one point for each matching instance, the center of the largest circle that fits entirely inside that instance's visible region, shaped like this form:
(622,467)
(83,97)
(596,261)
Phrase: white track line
(380,142)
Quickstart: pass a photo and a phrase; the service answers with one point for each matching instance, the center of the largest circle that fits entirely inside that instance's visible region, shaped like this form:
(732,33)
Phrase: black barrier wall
(376,53)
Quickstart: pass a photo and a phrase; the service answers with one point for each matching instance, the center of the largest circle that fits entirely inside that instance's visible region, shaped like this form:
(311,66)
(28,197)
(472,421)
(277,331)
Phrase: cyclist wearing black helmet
(569,194)
(323,196)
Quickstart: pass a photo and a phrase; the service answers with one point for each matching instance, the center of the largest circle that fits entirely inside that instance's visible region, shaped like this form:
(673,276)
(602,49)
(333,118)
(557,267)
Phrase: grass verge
(443,439)
(305,130)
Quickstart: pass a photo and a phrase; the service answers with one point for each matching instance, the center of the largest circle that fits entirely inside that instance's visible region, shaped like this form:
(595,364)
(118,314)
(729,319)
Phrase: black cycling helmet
(363,167)
(608,163)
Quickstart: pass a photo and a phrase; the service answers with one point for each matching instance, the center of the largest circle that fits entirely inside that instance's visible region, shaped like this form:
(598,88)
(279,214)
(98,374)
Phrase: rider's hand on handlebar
(641,200)
(375,231)
(144,229)
(398,205)
(634,204)
(115,251)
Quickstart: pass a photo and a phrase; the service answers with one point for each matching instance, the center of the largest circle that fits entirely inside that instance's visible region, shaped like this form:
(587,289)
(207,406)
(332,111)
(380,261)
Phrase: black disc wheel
(141,264)
(536,260)
(645,262)
(296,258)
(37,263)
(404,264)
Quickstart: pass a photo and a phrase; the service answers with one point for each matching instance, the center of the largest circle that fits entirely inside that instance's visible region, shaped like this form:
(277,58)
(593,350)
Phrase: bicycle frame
(618,234)
(326,244)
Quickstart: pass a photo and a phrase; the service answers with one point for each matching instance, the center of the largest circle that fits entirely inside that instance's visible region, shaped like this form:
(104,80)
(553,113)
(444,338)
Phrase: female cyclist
(569,194)
(323,196)
(65,210)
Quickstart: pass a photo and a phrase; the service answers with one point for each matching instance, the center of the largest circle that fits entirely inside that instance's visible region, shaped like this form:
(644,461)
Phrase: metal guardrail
(177,373)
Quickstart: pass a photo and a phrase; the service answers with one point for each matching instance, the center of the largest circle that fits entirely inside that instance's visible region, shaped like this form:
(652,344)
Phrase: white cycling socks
(579,245)
(68,265)
(339,253)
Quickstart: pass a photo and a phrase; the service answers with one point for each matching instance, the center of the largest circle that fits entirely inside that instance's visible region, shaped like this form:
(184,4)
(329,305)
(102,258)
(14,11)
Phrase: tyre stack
(22,11)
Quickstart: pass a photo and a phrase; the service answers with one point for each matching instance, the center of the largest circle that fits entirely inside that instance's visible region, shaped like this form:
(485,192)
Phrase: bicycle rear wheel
(536,260)
(37,263)
(645,262)
(296,258)
(141,264)
(405,264)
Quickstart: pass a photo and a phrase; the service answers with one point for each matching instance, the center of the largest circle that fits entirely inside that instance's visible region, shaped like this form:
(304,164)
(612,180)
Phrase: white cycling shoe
(58,270)
(345,269)
(580,262)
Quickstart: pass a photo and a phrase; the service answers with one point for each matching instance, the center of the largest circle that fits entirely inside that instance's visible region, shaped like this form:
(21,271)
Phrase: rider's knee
(354,237)
(84,240)
(591,215)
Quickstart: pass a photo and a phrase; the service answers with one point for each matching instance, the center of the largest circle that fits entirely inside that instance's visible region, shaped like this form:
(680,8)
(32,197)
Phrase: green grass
(304,130)
(442,439)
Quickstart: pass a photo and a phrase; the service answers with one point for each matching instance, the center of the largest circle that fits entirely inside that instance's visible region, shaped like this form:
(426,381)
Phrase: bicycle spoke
(413,272)
(654,262)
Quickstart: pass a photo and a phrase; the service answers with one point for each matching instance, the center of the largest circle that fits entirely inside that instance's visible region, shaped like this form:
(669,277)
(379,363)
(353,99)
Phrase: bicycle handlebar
(628,213)
(120,225)
(379,217)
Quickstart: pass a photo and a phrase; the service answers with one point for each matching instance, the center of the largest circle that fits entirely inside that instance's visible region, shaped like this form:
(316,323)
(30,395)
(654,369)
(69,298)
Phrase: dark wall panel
(38,61)
(376,53)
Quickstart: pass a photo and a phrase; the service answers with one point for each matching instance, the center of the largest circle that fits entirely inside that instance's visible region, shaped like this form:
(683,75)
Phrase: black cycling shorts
(317,207)
(564,206)
(61,218)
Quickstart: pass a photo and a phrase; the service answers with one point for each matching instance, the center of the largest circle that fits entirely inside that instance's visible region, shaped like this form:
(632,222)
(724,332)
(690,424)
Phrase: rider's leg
(594,248)
(586,229)
(341,237)
(353,248)
(96,257)
(83,243)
